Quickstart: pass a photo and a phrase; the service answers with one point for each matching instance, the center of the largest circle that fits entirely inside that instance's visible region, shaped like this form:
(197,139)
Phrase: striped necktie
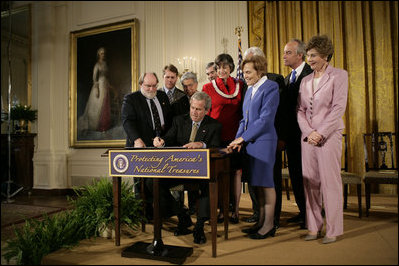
(170,96)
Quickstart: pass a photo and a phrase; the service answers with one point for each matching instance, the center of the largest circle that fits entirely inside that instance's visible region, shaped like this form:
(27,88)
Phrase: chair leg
(367,199)
(359,198)
(345,196)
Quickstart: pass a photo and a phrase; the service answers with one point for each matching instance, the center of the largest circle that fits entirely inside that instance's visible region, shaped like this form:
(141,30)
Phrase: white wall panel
(85,13)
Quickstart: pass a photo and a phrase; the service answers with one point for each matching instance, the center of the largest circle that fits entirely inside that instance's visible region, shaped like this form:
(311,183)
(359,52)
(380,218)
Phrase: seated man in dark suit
(182,106)
(193,131)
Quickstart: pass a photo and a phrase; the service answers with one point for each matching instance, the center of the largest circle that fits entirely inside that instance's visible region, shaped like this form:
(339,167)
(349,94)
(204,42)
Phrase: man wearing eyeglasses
(140,118)
(146,114)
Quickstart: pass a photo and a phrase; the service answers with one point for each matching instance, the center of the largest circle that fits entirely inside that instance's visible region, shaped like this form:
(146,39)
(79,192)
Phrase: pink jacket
(323,109)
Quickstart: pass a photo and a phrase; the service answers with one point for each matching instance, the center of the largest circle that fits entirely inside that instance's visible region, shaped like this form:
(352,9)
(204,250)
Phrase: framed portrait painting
(103,68)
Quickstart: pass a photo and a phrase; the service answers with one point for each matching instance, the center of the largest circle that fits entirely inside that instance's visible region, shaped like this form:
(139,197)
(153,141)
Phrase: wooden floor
(370,240)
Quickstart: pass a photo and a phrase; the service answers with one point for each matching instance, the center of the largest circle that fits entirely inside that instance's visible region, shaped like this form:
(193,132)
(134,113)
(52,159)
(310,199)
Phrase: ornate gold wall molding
(256,23)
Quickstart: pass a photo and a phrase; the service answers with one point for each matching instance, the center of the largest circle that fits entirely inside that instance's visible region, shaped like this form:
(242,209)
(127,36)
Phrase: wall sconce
(188,64)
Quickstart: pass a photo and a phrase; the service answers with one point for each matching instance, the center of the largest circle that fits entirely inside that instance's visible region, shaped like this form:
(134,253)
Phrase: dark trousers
(277,178)
(170,206)
(293,148)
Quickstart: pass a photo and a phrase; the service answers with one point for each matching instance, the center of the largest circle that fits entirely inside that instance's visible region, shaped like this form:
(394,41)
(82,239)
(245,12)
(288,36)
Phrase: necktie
(193,132)
(293,76)
(157,120)
(170,96)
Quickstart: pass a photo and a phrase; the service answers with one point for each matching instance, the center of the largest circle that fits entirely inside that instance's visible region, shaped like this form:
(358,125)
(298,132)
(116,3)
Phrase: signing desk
(209,164)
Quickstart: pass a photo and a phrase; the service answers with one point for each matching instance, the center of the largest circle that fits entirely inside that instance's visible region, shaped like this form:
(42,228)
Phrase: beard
(148,95)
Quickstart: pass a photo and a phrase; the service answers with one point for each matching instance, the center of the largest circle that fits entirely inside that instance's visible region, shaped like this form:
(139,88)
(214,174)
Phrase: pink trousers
(322,182)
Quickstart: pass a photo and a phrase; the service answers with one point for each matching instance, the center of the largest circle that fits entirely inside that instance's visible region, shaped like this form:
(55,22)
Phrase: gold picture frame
(103,68)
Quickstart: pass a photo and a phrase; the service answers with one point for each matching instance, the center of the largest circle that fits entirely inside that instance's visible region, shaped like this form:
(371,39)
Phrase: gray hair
(210,64)
(188,75)
(301,47)
(141,78)
(254,50)
(202,96)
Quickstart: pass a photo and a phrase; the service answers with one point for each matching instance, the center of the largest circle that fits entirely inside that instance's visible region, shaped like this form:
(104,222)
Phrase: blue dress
(257,130)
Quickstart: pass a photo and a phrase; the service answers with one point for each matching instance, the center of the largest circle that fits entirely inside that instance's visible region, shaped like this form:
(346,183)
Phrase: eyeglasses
(150,86)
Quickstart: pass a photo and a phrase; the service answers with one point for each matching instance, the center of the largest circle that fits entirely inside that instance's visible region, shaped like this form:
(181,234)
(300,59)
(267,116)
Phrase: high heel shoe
(250,230)
(259,236)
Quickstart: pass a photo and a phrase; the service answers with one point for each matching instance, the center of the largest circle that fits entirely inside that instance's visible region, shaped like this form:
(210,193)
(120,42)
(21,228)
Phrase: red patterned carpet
(16,213)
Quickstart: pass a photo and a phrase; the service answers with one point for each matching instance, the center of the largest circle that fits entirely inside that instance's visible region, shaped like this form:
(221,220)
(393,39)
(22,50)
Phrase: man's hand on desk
(158,142)
(139,143)
(194,145)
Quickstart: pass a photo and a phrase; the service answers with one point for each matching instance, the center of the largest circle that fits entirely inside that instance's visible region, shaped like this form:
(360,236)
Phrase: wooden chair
(379,161)
(350,178)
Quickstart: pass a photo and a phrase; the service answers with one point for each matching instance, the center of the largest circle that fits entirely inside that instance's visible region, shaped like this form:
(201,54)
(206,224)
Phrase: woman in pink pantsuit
(322,103)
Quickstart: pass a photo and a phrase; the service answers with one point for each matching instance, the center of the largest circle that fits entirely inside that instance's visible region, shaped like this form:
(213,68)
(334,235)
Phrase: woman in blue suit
(256,133)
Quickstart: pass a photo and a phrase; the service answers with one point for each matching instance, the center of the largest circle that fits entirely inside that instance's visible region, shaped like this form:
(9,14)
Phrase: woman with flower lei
(226,94)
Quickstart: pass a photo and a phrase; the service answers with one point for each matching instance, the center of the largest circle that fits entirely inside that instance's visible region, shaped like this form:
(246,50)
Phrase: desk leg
(226,200)
(213,198)
(116,182)
(157,247)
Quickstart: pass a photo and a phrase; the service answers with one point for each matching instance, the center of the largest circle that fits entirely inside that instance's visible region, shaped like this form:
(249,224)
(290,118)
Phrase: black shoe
(250,230)
(259,236)
(184,220)
(182,231)
(234,220)
(296,219)
(252,219)
(199,236)
(220,219)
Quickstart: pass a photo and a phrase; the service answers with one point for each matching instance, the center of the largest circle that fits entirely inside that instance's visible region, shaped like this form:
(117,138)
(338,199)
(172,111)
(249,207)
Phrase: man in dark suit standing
(190,84)
(193,131)
(139,117)
(294,57)
(145,115)
(170,76)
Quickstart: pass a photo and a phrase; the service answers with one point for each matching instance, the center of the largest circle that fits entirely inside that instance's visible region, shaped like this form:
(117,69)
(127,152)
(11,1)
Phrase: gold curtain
(365,38)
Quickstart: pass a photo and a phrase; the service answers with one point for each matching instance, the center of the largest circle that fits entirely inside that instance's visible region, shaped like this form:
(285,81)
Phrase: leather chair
(349,178)
(379,161)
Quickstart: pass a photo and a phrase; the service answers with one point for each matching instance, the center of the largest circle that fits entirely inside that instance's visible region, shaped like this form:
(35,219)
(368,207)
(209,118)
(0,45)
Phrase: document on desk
(160,163)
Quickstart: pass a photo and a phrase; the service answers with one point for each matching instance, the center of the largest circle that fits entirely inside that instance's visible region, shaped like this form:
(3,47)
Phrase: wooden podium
(217,172)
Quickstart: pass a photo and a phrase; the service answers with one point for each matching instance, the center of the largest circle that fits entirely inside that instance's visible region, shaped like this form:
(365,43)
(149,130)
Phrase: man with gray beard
(146,114)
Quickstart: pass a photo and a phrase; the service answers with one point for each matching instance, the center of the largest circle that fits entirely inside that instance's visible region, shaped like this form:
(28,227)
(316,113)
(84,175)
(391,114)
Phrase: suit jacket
(177,94)
(209,131)
(257,128)
(181,106)
(289,127)
(278,121)
(136,117)
(322,109)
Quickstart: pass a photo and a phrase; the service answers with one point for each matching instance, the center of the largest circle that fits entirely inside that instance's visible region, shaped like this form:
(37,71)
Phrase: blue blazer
(257,126)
